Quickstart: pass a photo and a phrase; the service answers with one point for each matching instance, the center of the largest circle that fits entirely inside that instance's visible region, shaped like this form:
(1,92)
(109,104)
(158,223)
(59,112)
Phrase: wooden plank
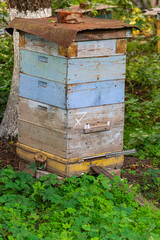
(96,48)
(78,118)
(62,168)
(42,90)
(85,167)
(34,151)
(82,145)
(95,94)
(158,46)
(121,46)
(41,45)
(21,39)
(158,24)
(28,154)
(100,35)
(96,69)
(43,115)
(80,49)
(71,51)
(41,138)
(44,66)
(97,128)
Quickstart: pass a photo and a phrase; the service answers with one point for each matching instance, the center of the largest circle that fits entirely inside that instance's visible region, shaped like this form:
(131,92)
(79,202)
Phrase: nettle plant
(142,128)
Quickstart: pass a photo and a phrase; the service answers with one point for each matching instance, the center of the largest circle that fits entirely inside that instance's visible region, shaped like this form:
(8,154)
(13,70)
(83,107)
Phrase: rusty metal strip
(112,154)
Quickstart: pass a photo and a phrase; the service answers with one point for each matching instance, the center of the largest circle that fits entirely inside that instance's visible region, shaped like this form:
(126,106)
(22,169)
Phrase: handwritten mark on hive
(78,120)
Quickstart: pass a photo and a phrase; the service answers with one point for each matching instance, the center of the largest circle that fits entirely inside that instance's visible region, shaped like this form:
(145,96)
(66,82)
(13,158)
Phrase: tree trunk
(142,3)
(21,9)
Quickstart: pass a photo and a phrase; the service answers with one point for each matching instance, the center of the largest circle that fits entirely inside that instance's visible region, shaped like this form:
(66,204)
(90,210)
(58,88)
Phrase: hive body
(71,100)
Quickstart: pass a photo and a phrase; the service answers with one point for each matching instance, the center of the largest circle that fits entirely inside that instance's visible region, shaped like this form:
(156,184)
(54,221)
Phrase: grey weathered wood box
(71,92)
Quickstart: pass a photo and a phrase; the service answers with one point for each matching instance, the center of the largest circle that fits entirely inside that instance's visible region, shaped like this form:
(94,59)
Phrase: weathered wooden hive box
(71,92)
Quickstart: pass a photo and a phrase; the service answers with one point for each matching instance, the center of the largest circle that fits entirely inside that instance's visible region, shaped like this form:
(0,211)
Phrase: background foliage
(6,59)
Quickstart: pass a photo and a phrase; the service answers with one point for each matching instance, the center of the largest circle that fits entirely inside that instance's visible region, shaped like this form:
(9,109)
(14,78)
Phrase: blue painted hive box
(71,92)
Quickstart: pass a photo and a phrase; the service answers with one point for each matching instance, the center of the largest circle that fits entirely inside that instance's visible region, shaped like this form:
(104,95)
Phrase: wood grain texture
(78,118)
(21,39)
(96,48)
(100,35)
(96,69)
(158,46)
(81,145)
(121,46)
(41,45)
(78,95)
(55,68)
(28,154)
(71,51)
(76,49)
(43,115)
(62,167)
(95,94)
(85,167)
(41,138)
(158,24)
(42,90)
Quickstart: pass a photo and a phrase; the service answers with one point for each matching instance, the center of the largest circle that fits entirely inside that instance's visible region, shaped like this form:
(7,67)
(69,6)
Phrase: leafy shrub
(6,66)
(75,208)
(142,128)
(6,60)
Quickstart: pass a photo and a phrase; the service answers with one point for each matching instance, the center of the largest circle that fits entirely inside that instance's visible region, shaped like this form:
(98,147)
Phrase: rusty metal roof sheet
(62,33)
(77,8)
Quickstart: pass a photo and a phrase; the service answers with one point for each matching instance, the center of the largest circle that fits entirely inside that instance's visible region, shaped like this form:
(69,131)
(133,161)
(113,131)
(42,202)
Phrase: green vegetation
(142,125)
(147,182)
(6,60)
(6,66)
(75,208)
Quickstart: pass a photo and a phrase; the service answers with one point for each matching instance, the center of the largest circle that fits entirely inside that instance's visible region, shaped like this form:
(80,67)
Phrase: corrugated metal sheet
(61,33)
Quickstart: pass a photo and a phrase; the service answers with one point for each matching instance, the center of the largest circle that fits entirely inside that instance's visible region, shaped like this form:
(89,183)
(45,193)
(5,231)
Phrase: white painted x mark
(79,120)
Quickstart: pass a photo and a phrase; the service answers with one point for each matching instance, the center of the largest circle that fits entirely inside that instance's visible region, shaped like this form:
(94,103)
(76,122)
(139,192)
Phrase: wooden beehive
(71,92)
